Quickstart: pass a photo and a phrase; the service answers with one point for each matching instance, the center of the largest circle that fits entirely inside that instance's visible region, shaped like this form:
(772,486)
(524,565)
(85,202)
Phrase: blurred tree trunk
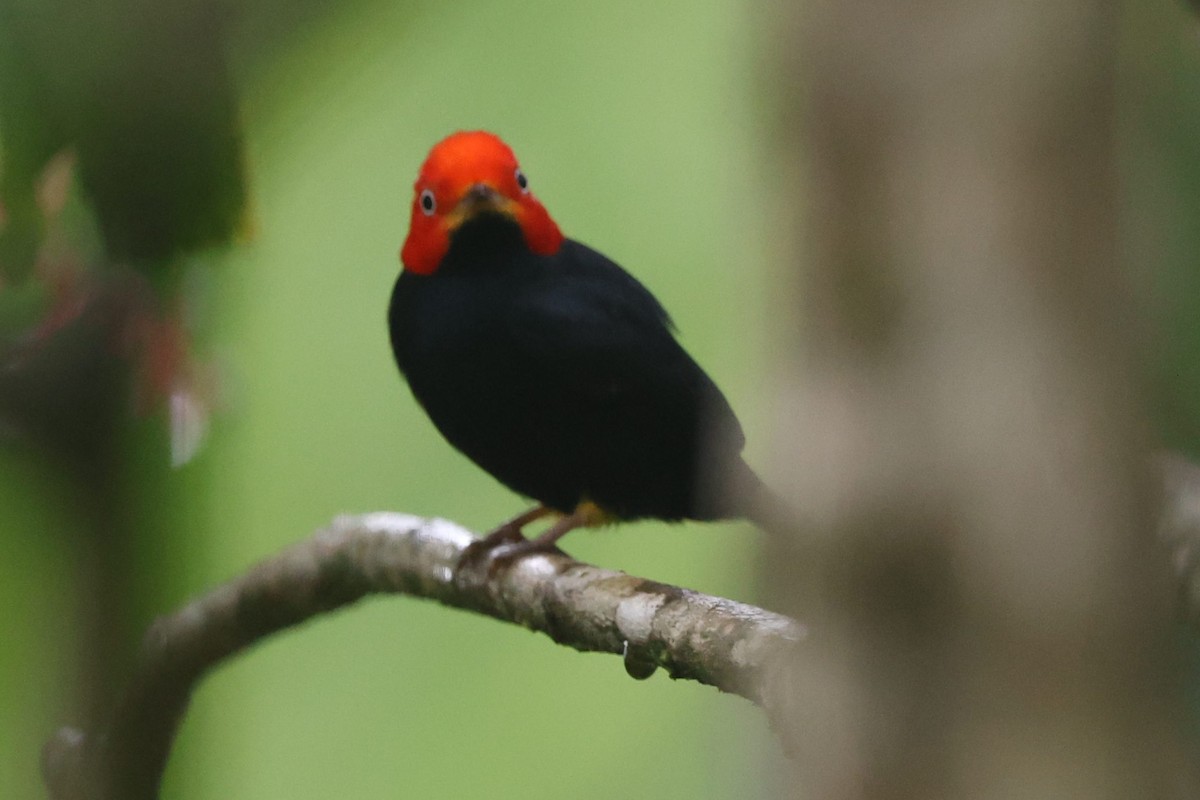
(966,424)
(138,97)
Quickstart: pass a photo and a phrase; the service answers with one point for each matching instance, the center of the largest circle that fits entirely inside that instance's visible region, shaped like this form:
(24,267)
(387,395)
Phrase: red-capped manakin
(550,366)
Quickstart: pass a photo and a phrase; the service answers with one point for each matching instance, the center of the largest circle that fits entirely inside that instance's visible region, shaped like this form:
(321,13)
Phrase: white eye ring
(428,203)
(522,181)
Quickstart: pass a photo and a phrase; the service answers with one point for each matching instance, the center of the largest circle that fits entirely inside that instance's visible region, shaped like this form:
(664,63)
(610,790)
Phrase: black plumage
(561,376)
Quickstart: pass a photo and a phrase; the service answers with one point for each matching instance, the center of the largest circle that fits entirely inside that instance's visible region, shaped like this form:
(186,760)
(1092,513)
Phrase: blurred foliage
(635,123)
(1162,170)
(640,127)
(140,91)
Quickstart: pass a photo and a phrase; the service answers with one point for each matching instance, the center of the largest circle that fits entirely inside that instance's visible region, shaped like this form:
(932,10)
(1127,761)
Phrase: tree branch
(737,648)
(711,640)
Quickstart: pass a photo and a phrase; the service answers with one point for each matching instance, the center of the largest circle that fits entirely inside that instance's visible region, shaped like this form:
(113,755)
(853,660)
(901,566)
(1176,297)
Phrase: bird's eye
(428,204)
(522,181)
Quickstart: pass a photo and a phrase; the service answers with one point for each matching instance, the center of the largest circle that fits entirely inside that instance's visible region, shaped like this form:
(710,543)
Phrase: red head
(466,173)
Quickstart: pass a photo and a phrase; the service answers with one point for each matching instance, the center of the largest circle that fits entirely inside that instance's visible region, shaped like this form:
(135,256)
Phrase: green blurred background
(645,129)
(640,126)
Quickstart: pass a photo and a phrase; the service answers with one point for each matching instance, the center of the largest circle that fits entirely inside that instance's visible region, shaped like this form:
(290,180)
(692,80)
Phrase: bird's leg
(545,543)
(511,531)
(506,551)
(507,533)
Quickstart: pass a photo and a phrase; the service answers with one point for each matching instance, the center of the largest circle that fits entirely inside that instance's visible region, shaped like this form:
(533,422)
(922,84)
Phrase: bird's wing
(606,346)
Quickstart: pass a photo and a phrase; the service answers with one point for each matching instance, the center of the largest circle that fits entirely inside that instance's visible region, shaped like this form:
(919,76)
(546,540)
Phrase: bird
(551,367)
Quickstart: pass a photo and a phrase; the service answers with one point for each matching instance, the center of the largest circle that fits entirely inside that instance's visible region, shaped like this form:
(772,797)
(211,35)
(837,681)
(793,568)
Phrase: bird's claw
(478,558)
(477,552)
(485,557)
(507,553)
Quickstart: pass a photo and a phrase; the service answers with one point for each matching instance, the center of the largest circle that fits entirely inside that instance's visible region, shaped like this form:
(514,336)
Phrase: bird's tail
(748,497)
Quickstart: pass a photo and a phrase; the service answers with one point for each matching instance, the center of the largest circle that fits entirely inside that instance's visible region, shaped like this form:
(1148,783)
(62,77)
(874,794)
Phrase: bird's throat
(486,238)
